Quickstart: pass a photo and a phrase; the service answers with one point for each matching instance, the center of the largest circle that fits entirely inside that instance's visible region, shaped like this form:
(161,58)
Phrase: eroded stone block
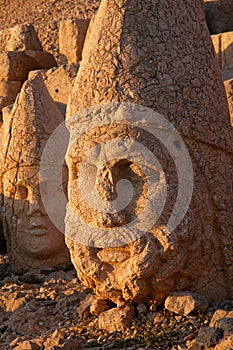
(229,92)
(117,319)
(16,65)
(223,44)
(8,92)
(20,38)
(59,82)
(71,39)
(10,88)
(184,303)
(219,15)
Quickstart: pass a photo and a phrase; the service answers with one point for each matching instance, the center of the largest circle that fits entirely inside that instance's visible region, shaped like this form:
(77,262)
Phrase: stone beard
(150,266)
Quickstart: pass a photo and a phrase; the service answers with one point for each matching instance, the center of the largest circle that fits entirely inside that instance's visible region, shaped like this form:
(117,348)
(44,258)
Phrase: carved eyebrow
(75,153)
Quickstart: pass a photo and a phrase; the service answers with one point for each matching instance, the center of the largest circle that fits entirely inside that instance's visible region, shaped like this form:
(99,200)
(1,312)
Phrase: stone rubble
(20,52)
(184,303)
(40,310)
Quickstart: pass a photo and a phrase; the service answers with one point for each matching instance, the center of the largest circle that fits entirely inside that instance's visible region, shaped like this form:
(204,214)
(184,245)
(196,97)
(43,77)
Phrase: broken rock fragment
(72,35)
(117,319)
(16,65)
(184,303)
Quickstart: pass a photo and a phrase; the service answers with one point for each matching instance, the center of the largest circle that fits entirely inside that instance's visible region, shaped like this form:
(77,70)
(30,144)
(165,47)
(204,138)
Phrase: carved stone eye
(21,192)
(123,165)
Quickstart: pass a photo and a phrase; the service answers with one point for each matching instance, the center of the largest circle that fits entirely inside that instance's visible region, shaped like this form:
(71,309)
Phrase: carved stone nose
(36,207)
(105,183)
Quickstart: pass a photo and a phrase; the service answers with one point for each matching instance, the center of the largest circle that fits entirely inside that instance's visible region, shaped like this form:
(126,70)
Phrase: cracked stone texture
(159,54)
(32,240)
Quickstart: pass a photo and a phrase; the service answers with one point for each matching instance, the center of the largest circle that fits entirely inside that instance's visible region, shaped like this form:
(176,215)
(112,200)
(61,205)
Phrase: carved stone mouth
(38,229)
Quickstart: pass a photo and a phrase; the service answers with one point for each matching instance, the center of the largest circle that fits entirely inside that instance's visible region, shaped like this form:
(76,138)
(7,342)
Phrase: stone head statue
(159,57)
(32,240)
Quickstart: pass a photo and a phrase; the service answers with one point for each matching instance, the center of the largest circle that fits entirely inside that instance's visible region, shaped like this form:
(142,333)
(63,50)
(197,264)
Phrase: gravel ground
(40,308)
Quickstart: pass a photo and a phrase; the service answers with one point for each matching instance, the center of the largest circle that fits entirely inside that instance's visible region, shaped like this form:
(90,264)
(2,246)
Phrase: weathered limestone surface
(219,15)
(4,125)
(2,240)
(71,39)
(10,88)
(32,240)
(159,54)
(20,38)
(223,44)
(16,65)
(59,82)
(229,91)
(8,92)
(6,100)
(116,319)
(6,115)
(184,303)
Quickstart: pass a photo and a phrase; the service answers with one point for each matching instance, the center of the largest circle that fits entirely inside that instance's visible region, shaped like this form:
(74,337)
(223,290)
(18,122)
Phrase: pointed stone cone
(159,54)
(156,54)
(32,120)
(33,241)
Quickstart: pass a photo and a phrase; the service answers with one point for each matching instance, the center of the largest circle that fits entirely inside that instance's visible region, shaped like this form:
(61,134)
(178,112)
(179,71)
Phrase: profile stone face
(160,56)
(32,240)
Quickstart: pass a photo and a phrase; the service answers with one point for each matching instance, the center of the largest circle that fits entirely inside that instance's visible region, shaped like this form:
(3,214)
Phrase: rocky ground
(45,15)
(49,309)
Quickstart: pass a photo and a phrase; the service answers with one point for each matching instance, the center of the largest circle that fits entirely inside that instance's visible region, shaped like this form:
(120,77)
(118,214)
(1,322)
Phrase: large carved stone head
(32,240)
(159,55)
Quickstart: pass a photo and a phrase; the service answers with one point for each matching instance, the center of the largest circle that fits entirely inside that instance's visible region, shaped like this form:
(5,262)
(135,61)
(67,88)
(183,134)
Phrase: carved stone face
(30,232)
(32,240)
(103,179)
(140,56)
(105,191)
(151,264)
